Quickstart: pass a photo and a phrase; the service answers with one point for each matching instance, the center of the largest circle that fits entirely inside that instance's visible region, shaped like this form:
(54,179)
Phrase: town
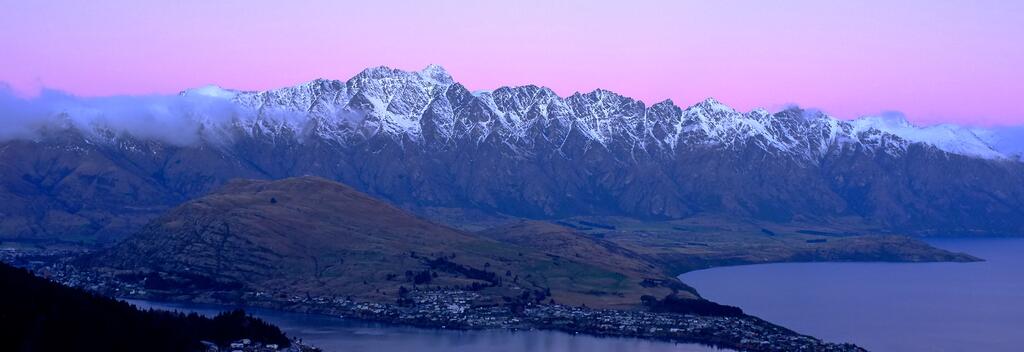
(457,309)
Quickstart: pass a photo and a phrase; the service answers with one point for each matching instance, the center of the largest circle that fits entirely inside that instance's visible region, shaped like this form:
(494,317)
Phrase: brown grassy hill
(311,235)
(568,244)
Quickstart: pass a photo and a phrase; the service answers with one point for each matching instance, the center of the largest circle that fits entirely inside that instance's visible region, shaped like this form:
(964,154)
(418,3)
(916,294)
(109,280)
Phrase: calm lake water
(337,334)
(880,306)
(888,306)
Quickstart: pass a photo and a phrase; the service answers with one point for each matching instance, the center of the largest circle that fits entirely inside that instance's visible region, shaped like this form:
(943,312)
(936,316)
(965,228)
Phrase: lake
(888,306)
(337,334)
(880,306)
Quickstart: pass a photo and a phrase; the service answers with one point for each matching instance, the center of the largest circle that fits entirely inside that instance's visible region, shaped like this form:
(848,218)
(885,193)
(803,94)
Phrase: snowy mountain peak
(211,91)
(437,74)
(883,122)
(426,105)
(950,138)
(711,101)
(666,102)
(714,106)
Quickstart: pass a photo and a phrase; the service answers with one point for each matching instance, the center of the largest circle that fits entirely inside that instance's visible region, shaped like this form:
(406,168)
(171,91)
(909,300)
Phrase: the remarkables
(421,140)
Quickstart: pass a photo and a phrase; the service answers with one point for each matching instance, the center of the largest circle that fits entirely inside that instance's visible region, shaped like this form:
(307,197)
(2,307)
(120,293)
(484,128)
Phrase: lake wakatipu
(879,306)
(888,306)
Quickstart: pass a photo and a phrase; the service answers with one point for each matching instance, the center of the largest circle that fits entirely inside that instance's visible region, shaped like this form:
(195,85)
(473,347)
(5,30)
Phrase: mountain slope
(421,140)
(570,245)
(308,235)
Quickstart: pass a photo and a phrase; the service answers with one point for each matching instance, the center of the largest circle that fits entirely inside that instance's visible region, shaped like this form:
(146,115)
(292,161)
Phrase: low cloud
(174,119)
(805,112)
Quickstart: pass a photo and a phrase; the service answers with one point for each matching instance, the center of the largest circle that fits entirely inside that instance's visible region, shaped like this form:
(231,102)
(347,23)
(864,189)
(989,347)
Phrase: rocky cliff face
(421,139)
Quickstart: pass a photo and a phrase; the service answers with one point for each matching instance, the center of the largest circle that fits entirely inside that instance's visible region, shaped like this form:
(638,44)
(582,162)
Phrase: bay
(888,306)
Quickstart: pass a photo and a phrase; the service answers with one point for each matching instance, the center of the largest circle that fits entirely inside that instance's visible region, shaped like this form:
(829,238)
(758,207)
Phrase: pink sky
(935,61)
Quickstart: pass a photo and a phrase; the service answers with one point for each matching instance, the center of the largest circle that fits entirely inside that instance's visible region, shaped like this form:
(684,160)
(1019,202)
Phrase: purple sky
(934,60)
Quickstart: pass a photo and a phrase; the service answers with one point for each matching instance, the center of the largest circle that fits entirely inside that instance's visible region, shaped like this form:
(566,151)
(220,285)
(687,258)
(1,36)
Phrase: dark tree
(39,315)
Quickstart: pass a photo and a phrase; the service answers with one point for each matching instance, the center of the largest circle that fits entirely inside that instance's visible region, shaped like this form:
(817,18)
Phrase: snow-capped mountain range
(428,106)
(100,168)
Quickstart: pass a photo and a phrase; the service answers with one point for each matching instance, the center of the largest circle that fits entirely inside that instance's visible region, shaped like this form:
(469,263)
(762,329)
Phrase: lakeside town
(458,309)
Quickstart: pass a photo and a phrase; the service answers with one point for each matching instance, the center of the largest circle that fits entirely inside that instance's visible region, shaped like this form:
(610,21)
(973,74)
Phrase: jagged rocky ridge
(428,107)
(420,139)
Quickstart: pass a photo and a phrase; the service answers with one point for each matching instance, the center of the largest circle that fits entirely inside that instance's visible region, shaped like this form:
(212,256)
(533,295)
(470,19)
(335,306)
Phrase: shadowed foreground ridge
(39,315)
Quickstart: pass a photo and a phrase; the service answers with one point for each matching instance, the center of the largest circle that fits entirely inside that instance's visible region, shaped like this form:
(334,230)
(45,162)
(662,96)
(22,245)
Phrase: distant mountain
(421,140)
(39,315)
(309,235)
(1009,140)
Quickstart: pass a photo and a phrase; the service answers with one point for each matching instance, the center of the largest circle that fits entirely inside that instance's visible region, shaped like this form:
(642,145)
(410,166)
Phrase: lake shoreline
(669,328)
(885,306)
(567,319)
(190,307)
